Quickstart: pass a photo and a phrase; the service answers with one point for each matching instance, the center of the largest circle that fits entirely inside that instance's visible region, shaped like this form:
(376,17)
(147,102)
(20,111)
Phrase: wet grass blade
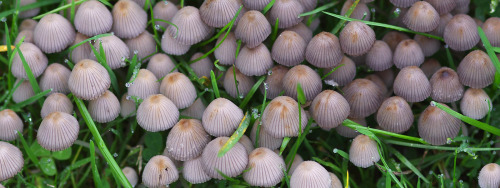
(348,13)
(291,155)
(236,135)
(31,99)
(268,7)
(408,164)
(71,48)
(27,148)
(328,164)
(28,7)
(450,58)
(214,84)
(333,70)
(491,53)
(252,91)
(319,9)
(101,57)
(301,97)
(353,125)
(95,171)
(57,9)
(284,143)
(274,34)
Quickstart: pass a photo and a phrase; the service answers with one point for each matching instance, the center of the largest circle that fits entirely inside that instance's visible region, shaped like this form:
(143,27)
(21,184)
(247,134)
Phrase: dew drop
(128,84)
(66,61)
(123,59)
(115,155)
(3,19)
(433,104)
(266,86)
(332,83)
(136,52)
(241,96)
(448,141)
(166,2)
(335,150)
(269,73)
(157,27)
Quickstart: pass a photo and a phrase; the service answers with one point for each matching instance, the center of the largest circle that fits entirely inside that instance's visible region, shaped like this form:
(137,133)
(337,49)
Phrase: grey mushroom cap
(412,84)
(170,45)
(226,52)
(254,61)
(10,125)
(160,65)
(231,164)
(403,3)
(361,12)
(193,172)
(476,70)
(436,126)
(164,10)
(329,109)
(30,12)
(287,12)
(253,28)
(12,158)
(81,52)
(129,19)
(88,74)
(191,28)
(489,176)
(115,49)
(93,18)
(143,46)
(157,113)
(50,27)
(178,88)
(408,53)
(289,49)
(364,97)
(421,17)
(218,13)
(310,174)
(23,92)
(256,4)
(105,108)
(395,115)
(56,102)
(446,86)
(344,74)
(144,85)
(306,77)
(187,139)
(28,24)
(203,66)
(460,33)
(356,38)
(281,117)
(55,77)
(36,60)
(131,175)
(159,170)
(363,152)
(266,168)
(221,117)
(475,103)
(58,131)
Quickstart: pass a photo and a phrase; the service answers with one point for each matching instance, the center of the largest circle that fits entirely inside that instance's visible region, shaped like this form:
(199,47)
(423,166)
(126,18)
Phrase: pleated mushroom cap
(403,3)
(408,53)
(56,102)
(115,49)
(304,31)
(159,171)
(88,80)
(131,175)
(157,113)
(193,172)
(344,74)
(81,52)
(460,34)
(395,115)
(281,118)
(170,45)
(187,139)
(443,6)
(27,34)
(256,4)
(361,12)
(387,77)
(195,110)
(265,139)
(144,85)
(254,61)
(412,84)
(105,108)
(295,163)
(222,117)
(129,19)
(245,83)
(253,28)
(443,21)
(428,45)
(393,38)
(247,143)
(23,92)
(421,17)
(324,50)
(329,109)
(12,159)
(127,106)
(231,164)
(203,66)
(363,152)
(378,81)
(364,97)
(435,126)
(446,87)
(306,77)
(476,70)
(226,52)
(379,57)
(274,81)
(58,131)
(336,183)
(310,174)
(475,103)
(28,24)
(36,60)
(164,10)
(93,18)
(30,12)
(143,45)
(287,11)
(218,13)
(356,38)
(191,27)
(491,27)
(177,87)
(266,168)
(308,4)
(160,65)
(55,77)
(430,66)
(489,176)
(10,124)
(53,33)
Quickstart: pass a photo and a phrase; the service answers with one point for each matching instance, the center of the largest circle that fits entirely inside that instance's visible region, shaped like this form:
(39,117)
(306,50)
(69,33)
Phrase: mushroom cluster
(190,73)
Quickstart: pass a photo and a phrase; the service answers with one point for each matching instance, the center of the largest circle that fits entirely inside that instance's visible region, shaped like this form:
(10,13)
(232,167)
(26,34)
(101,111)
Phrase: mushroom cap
(336,183)
(105,108)
(436,126)
(412,84)
(256,4)
(226,52)
(247,143)
(157,113)
(159,170)
(421,17)
(489,176)
(379,57)
(195,110)
(428,45)
(218,13)
(28,24)
(393,38)
(254,61)
(245,83)
(53,33)
(295,163)
(93,18)
(329,109)
(144,85)
(395,115)
(490,28)
(403,3)
(164,10)
(387,77)
(143,45)
(476,70)
(356,38)
(310,174)
(475,103)
(10,125)
(81,52)
(265,139)
(58,131)
(203,66)
(287,11)
(304,31)
(460,34)
(364,97)
(170,45)
(443,6)
(443,21)
(221,117)
(127,106)
(28,13)
(306,77)
(131,175)
(56,102)
(129,19)
(348,132)
(265,168)
(23,92)
(253,28)
(178,88)
(430,66)
(308,4)
(378,81)
(88,80)
(191,28)
(281,117)
(344,74)
(36,60)
(11,157)
(232,164)
(160,65)
(27,34)
(193,172)
(289,49)
(360,12)
(446,86)
(274,81)
(187,139)
(408,53)
(115,49)
(55,77)
(363,152)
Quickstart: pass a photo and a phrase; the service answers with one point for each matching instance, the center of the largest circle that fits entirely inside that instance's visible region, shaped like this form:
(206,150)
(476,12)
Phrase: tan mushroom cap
(436,126)
(144,85)
(36,60)
(336,183)
(105,108)
(127,106)
(88,80)
(395,115)
(56,102)
(51,27)
(289,49)
(187,139)
(310,174)
(356,38)
(253,28)
(157,113)
(393,38)
(308,79)
(178,88)
(461,34)
(421,17)
(221,117)
(232,164)
(27,34)
(93,18)
(281,117)
(81,52)
(475,103)
(55,77)
(28,24)
(129,19)
(193,172)
(446,87)
(266,168)
(329,109)
(274,81)
(476,70)
(364,97)
(491,27)
(408,53)
(159,171)
(58,131)
(245,83)
(12,159)
(10,125)
(363,152)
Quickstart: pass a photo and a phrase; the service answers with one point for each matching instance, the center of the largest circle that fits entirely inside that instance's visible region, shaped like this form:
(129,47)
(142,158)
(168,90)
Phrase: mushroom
(289,49)
(105,108)
(10,125)
(254,61)
(310,174)
(159,170)
(304,31)
(356,38)
(379,57)
(81,52)
(143,45)
(127,106)
(11,157)
(329,109)
(186,140)
(264,139)
(361,11)
(412,84)
(143,85)
(489,176)
(253,28)
(461,34)
(196,109)
(58,131)
(178,88)
(344,74)
(446,86)
(193,172)
(306,77)
(190,27)
(287,12)
(36,60)
(408,53)
(274,81)
(50,27)
(421,17)
(281,117)
(395,115)
(476,70)
(115,49)
(157,113)
(364,97)
(245,83)
(265,168)
(218,13)
(93,18)
(363,152)
(160,65)
(131,175)
(129,19)
(56,102)
(88,80)
(476,103)
(23,92)
(436,126)
(221,117)
(231,164)
(170,45)
(323,50)
(164,10)
(226,52)
(203,66)
(55,77)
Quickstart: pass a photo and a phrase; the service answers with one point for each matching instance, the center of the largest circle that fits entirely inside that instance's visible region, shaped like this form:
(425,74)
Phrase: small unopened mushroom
(10,125)
(344,74)
(379,57)
(203,66)
(222,117)
(164,10)
(27,24)
(289,49)
(491,27)
(436,126)
(160,65)
(363,152)
(88,80)
(274,81)
(324,50)
(11,158)
(93,18)
(403,3)
(27,34)
(446,86)
(159,171)
(226,52)
(143,85)
(179,89)
(129,19)
(264,139)
(378,81)
(254,61)
(329,109)
(30,12)
(195,110)
(23,92)
(245,83)
(428,45)
(364,97)
(115,49)
(51,27)
(157,113)
(304,31)
(187,139)
(356,38)
(193,172)
(265,168)
(310,174)
(55,77)
(412,84)
(231,164)
(306,77)
(131,175)
(36,60)
(489,176)
(287,12)
(58,131)
(127,106)
(460,34)
(387,77)
(143,45)
(395,115)
(476,70)
(361,12)
(170,46)
(408,53)
(105,108)
(218,13)
(295,163)
(281,117)
(247,143)
(190,27)
(393,38)
(475,104)
(421,17)
(56,102)
(443,6)
(429,67)
(81,52)
(336,183)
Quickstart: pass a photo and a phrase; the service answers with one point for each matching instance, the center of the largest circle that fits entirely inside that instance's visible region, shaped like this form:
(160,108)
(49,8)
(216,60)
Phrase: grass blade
(408,164)
(101,57)
(31,99)
(450,58)
(29,73)
(27,148)
(58,9)
(291,155)
(268,7)
(319,9)
(333,70)
(274,34)
(214,84)
(301,97)
(491,53)
(284,144)
(328,164)
(252,92)
(348,13)
(353,125)
(236,135)
(29,6)
(95,172)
